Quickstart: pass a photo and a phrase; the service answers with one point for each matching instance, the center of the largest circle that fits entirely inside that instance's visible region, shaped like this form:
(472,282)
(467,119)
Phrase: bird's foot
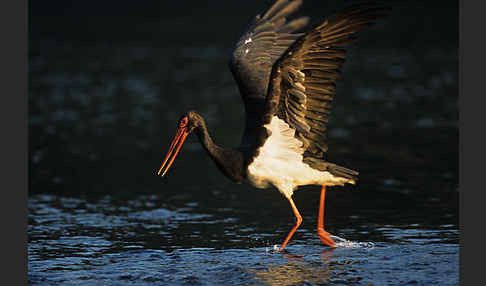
(326,237)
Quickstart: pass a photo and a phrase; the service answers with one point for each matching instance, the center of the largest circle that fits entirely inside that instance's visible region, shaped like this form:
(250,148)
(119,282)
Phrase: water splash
(273,249)
(341,242)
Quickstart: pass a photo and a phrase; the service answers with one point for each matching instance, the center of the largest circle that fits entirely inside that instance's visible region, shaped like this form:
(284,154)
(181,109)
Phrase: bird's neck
(207,142)
(229,161)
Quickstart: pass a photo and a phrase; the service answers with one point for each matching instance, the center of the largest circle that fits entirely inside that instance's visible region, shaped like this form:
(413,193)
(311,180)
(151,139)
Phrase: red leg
(297,224)
(324,235)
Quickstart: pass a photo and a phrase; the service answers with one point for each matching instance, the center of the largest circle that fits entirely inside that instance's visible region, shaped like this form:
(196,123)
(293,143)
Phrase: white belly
(279,163)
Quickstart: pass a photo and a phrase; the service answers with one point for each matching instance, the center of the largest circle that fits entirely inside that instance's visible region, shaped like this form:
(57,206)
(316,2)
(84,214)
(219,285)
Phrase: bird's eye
(183,122)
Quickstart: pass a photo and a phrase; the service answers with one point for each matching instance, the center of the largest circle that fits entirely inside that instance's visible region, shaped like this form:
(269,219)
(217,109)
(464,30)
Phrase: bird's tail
(334,169)
(343,172)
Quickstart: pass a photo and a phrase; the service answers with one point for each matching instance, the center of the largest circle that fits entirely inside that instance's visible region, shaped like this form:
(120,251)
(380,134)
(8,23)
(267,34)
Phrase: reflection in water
(297,271)
(294,273)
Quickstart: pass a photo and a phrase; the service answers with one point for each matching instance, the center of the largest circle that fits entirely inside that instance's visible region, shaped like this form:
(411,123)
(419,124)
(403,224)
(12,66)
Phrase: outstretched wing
(303,80)
(261,45)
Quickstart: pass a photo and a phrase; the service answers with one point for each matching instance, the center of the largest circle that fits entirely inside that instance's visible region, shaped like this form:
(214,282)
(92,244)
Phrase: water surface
(145,241)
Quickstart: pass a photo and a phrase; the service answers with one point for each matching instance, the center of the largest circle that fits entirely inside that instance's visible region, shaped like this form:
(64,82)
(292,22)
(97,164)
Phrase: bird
(287,80)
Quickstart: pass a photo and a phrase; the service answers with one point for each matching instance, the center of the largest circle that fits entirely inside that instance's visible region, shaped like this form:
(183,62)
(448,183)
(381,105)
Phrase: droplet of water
(272,249)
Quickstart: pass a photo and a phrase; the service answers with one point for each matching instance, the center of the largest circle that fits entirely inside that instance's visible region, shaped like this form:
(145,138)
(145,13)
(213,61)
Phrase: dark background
(108,82)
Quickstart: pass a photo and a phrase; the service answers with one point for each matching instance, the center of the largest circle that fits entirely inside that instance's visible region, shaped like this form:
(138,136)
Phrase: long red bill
(174,148)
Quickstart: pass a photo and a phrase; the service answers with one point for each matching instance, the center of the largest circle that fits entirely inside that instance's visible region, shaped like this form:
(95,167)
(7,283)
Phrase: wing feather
(303,81)
(265,41)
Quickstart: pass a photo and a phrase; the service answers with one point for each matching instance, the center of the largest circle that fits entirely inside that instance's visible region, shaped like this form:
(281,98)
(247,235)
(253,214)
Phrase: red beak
(175,146)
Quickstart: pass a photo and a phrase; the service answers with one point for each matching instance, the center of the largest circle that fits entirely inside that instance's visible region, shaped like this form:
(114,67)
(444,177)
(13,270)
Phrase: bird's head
(187,123)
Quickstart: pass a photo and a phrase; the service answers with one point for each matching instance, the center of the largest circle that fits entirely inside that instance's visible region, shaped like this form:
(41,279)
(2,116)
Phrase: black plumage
(289,77)
(255,53)
(303,81)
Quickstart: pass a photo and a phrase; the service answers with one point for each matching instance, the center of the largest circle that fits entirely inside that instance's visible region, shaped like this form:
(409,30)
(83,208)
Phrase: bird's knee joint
(299,221)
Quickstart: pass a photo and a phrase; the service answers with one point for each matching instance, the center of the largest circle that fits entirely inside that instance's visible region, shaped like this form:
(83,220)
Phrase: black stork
(287,80)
